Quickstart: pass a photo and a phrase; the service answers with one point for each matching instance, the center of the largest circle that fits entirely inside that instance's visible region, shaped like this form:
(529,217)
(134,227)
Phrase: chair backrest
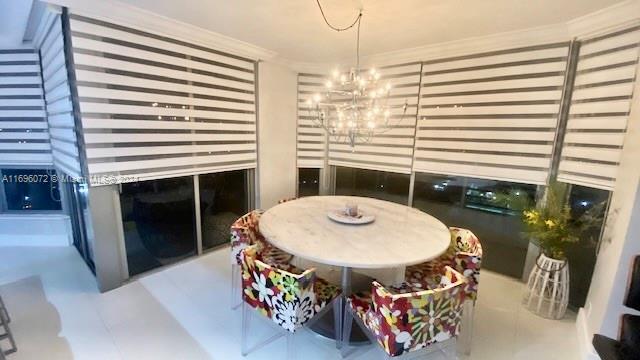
(411,321)
(467,258)
(245,232)
(286,298)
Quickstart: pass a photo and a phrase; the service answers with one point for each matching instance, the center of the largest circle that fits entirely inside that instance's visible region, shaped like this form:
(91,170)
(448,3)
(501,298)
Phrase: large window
(369,183)
(158,220)
(308,182)
(491,209)
(159,217)
(582,256)
(30,190)
(223,199)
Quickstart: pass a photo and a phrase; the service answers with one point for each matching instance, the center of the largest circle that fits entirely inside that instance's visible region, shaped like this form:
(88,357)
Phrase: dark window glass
(27,189)
(158,221)
(223,199)
(308,182)
(491,209)
(370,183)
(582,256)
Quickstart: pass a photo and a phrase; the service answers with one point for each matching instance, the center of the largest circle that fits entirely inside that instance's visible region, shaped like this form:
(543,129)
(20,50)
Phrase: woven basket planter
(547,292)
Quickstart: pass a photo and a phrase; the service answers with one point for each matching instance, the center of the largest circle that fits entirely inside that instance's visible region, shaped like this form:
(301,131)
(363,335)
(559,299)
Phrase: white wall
(277,89)
(35,230)
(621,240)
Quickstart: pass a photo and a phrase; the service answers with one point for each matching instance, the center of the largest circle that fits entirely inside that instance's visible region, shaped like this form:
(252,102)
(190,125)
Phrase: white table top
(400,235)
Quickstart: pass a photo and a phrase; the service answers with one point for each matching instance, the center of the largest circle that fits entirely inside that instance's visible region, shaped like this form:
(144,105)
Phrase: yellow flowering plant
(551,225)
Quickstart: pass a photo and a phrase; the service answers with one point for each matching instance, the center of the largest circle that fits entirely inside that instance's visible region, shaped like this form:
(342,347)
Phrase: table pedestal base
(325,327)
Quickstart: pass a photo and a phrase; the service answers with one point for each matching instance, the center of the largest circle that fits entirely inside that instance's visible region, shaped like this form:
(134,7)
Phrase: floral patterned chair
(409,321)
(292,298)
(465,256)
(245,232)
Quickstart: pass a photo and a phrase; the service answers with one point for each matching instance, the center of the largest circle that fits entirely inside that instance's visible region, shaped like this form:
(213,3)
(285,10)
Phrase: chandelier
(353,106)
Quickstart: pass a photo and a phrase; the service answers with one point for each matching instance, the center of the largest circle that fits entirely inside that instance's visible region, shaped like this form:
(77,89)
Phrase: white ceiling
(296,31)
(13,22)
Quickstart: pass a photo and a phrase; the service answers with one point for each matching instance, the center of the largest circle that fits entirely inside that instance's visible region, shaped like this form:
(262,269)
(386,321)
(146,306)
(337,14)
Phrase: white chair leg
(236,287)
(245,329)
(247,313)
(466,337)
(291,347)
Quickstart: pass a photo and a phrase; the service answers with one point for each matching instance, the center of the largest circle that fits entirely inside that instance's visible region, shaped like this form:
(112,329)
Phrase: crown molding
(605,20)
(507,40)
(134,17)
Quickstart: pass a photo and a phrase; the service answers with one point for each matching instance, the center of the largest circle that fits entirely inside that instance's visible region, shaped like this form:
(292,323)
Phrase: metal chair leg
(244,341)
(4,323)
(236,287)
(291,347)
(467,327)
(245,329)
(3,311)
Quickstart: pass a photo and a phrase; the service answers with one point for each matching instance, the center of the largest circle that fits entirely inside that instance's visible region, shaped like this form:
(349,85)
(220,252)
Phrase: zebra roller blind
(310,138)
(64,147)
(24,135)
(153,106)
(390,150)
(600,105)
(491,115)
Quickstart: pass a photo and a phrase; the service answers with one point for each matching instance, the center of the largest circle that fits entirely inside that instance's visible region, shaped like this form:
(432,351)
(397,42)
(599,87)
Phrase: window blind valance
(600,105)
(491,115)
(24,134)
(153,106)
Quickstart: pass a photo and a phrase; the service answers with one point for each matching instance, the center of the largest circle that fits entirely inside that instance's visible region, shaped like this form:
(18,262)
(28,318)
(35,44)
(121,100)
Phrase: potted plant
(553,228)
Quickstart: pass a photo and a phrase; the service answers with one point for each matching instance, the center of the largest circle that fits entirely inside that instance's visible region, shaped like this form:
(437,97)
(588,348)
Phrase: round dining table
(398,237)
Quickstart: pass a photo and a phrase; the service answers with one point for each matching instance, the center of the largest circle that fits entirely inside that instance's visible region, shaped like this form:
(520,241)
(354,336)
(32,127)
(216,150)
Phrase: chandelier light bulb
(388,86)
(317,97)
(387,113)
(372,71)
(329,84)
(309,102)
(343,79)
(377,76)
(372,94)
(350,124)
(371,125)
(336,73)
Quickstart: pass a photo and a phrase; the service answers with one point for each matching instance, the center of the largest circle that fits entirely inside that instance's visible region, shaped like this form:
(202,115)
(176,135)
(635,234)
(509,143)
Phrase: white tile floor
(183,312)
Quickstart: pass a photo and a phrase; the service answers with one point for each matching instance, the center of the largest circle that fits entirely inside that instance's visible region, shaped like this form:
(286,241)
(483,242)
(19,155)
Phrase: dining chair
(245,232)
(6,334)
(408,323)
(465,256)
(290,298)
